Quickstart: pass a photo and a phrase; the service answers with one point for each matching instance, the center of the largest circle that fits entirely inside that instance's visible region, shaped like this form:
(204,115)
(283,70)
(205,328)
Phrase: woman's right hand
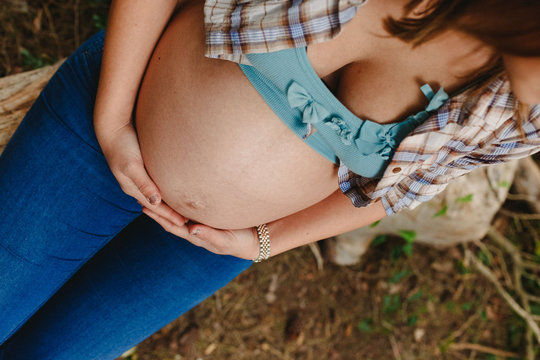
(123,154)
(133,30)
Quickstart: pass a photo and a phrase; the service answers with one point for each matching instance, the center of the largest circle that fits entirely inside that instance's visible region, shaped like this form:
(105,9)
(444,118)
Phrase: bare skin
(219,154)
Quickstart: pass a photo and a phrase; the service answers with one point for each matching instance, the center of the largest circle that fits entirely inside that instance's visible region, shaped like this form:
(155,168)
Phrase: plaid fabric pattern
(447,145)
(236,27)
(452,142)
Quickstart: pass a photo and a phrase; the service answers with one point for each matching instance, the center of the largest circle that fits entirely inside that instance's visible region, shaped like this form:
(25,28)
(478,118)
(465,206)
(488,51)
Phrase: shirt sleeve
(234,28)
(455,159)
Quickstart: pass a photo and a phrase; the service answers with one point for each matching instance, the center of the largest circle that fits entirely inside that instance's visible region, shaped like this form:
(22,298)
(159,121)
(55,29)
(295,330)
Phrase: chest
(378,77)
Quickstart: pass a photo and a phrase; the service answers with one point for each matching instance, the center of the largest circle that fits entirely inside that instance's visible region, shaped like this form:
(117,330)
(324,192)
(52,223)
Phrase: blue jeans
(83,274)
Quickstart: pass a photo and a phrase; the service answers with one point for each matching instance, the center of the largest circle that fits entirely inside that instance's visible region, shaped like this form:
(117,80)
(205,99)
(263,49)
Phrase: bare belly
(217,152)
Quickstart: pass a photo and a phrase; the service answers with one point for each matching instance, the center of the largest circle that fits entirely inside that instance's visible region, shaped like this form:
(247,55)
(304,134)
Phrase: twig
(519,265)
(506,244)
(513,304)
(395,349)
(317,254)
(532,231)
(523,197)
(486,251)
(531,265)
(385,324)
(518,270)
(529,344)
(531,277)
(458,356)
(519,215)
(473,355)
(457,333)
(459,291)
(52,30)
(482,348)
(504,267)
(526,255)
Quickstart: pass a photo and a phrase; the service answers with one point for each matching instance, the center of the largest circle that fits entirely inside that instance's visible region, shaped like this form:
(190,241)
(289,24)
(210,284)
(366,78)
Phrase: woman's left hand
(242,243)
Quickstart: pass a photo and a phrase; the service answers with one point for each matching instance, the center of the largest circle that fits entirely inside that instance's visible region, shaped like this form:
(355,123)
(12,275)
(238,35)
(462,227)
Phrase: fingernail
(196,231)
(154,199)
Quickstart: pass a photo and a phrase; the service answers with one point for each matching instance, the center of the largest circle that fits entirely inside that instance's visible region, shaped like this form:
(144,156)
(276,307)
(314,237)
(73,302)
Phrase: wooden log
(17,93)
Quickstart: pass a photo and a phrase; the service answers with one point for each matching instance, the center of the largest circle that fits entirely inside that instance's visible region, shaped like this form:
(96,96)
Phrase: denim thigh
(139,282)
(60,201)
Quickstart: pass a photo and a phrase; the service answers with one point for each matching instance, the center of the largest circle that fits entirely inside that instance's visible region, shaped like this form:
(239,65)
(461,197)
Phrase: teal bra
(291,87)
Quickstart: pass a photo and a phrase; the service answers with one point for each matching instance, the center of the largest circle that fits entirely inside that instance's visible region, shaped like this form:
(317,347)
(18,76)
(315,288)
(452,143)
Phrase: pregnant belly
(217,152)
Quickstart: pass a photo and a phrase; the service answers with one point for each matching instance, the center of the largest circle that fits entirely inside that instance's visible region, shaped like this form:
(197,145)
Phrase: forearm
(133,29)
(332,216)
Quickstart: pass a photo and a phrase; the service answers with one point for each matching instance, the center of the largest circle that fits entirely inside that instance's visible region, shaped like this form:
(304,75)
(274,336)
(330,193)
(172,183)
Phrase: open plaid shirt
(455,140)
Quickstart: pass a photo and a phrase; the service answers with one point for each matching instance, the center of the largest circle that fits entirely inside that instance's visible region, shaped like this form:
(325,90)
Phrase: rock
(470,202)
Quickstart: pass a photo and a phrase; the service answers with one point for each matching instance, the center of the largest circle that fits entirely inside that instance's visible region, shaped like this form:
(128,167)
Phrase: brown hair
(511,27)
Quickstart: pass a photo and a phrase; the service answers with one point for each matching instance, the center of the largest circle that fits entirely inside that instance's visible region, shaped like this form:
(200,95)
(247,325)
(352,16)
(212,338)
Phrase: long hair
(510,27)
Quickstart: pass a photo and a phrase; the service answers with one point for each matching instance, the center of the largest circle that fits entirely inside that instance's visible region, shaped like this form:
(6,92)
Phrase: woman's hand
(243,243)
(123,154)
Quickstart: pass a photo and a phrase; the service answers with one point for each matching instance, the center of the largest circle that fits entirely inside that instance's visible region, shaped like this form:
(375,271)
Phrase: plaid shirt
(449,144)
(236,27)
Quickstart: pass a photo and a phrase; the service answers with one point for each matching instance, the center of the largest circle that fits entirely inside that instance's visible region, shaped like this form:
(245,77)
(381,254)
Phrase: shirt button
(396,170)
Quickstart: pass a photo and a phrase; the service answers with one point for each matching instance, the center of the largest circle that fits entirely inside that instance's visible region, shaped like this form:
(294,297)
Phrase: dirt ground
(429,305)
(387,307)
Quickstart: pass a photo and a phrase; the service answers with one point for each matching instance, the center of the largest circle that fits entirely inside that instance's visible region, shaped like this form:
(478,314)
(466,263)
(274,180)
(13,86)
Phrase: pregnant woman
(243,130)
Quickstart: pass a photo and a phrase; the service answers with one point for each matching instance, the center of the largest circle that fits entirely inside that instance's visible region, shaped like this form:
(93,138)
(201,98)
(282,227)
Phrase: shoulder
(236,27)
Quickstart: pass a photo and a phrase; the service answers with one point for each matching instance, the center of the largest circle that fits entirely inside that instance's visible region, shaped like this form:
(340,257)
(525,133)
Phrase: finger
(130,189)
(167,212)
(203,231)
(139,177)
(206,237)
(180,231)
(210,235)
(168,225)
(241,243)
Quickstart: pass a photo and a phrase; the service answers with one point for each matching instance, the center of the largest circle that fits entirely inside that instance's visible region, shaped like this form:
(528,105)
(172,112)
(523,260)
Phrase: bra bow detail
(436,100)
(312,111)
(379,139)
(384,139)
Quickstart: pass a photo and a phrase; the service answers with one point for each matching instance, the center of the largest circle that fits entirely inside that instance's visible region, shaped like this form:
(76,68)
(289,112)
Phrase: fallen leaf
(210,349)
(348,330)
(419,334)
(443,266)
(36,23)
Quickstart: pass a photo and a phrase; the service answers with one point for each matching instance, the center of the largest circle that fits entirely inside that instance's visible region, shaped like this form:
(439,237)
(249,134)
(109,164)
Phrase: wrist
(254,253)
(104,125)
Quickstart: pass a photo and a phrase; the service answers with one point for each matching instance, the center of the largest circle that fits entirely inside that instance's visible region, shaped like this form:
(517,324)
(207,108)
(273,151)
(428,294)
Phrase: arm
(329,217)
(333,216)
(133,29)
